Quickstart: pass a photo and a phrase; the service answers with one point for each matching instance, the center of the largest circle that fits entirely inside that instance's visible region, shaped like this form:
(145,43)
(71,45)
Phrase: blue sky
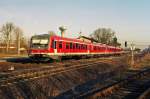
(129,18)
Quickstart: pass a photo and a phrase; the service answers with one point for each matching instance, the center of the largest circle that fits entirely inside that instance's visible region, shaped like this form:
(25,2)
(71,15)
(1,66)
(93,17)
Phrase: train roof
(41,36)
(69,39)
(88,38)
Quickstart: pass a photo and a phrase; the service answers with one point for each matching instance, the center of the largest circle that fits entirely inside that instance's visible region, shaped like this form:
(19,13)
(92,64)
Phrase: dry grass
(144,62)
(11,55)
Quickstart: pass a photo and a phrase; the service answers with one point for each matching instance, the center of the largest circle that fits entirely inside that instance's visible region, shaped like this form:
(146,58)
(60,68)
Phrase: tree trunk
(18,44)
(7,46)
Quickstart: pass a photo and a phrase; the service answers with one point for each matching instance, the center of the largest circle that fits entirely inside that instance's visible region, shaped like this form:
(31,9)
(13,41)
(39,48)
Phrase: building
(86,39)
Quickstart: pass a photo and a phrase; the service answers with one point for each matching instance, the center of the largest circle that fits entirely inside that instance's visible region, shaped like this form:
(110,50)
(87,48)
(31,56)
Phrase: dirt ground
(143,62)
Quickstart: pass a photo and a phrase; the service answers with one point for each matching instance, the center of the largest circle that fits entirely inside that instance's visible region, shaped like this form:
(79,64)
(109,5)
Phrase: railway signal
(125,44)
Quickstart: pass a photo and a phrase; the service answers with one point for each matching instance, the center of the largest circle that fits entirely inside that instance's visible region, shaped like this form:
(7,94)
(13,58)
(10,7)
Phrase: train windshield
(39,42)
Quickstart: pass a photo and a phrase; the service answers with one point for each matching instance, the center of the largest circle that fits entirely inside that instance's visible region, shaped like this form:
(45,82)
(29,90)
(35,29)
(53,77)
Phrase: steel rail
(106,91)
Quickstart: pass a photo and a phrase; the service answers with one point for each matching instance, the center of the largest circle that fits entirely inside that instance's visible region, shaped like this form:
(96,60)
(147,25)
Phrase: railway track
(52,66)
(30,74)
(145,94)
(130,87)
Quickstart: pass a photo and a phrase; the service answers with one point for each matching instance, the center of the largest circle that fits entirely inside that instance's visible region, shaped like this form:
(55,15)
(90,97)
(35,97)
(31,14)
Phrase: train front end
(39,47)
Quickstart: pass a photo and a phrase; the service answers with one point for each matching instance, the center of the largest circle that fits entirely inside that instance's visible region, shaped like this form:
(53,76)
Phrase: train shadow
(25,60)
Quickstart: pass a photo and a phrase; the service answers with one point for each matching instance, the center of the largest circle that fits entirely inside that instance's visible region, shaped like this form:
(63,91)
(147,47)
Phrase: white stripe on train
(66,54)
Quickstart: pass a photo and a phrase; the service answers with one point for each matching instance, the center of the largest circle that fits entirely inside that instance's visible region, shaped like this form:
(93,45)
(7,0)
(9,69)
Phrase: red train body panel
(48,46)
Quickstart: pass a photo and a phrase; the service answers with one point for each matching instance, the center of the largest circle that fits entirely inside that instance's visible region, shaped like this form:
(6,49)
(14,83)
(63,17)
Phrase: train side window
(81,46)
(86,47)
(73,46)
(70,45)
(55,42)
(76,45)
(67,45)
(52,44)
(60,45)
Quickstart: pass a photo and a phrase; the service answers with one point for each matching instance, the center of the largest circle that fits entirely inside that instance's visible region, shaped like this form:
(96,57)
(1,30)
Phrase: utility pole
(132,53)
(149,49)
(7,42)
(80,33)
(18,43)
(18,32)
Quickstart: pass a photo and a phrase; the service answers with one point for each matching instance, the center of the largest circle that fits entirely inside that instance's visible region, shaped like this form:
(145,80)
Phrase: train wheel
(60,58)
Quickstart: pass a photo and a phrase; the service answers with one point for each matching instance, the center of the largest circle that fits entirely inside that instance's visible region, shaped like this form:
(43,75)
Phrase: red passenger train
(46,46)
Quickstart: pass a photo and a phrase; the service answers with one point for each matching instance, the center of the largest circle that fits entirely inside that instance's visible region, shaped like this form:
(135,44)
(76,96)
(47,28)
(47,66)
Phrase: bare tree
(7,30)
(103,35)
(106,36)
(1,36)
(19,35)
(52,33)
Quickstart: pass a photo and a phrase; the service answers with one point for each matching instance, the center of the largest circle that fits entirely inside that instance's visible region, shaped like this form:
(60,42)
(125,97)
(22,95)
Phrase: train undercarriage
(47,57)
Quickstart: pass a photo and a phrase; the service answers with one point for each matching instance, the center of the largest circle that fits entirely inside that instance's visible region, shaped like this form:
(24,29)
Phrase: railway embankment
(66,79)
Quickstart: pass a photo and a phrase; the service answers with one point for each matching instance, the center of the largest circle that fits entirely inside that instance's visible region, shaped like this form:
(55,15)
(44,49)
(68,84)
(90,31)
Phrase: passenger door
(60,47)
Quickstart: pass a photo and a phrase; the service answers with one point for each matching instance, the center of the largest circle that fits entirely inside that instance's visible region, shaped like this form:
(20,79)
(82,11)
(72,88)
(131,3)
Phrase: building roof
(91,39)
